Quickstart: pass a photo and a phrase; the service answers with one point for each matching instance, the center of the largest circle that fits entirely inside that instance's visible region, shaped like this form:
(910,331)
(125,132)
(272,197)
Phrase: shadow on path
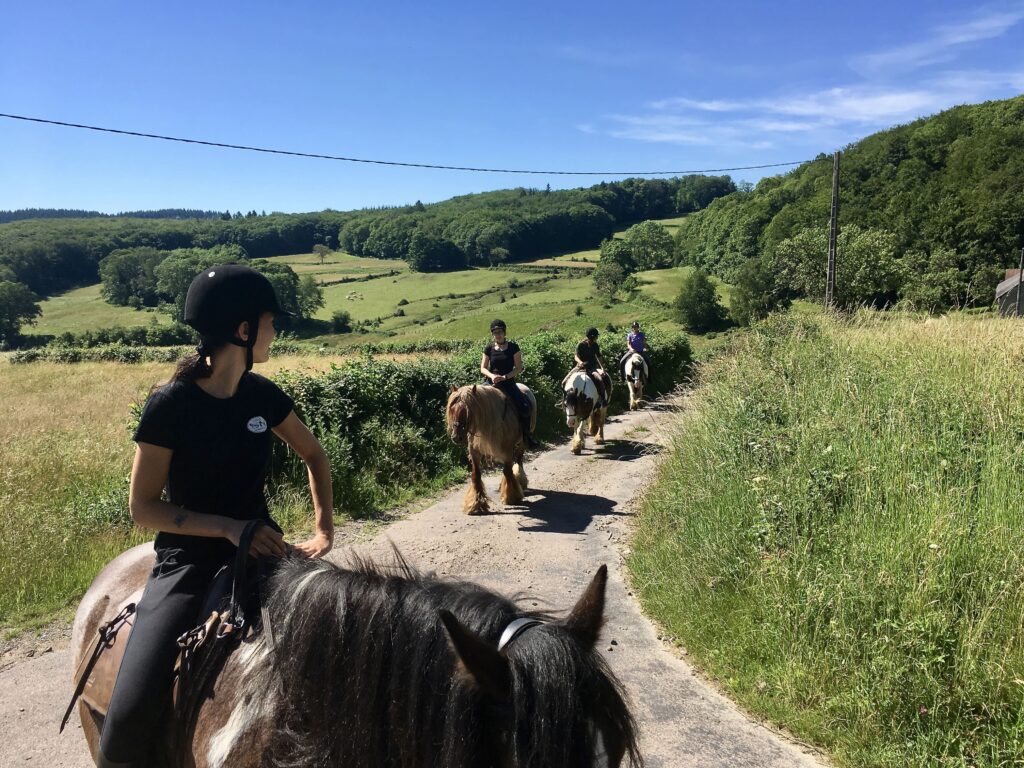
(624,450)
(562,512)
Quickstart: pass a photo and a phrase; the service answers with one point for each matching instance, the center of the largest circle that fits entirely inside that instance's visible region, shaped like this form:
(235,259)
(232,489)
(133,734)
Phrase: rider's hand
(497,379)
(266,542)
(318,546)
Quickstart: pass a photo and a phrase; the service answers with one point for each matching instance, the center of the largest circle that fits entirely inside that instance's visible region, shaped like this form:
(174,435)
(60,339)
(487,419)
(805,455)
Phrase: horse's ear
(474,389)
(588,613)
(454,388)
(482,663)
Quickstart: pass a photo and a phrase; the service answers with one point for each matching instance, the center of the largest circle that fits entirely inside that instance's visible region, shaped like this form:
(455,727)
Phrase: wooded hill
(52,255)
(940,201)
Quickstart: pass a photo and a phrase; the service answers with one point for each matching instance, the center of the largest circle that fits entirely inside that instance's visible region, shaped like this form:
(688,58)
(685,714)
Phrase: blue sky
(564,86)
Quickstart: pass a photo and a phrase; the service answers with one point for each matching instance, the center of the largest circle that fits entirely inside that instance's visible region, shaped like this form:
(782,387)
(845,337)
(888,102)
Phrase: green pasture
(339,265)
(664,284)
(84,309)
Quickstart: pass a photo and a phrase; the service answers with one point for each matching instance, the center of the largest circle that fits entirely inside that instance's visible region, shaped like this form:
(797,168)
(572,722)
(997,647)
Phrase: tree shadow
(624,450)
(563,512)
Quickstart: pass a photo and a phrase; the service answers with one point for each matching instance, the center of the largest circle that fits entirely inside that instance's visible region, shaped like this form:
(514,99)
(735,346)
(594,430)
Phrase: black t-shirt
(588,353)
(499,361)
(221,451)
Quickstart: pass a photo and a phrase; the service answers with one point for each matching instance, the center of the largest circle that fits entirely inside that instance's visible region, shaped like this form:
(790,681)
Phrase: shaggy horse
(486,421)
(636,379)
(581,403)
(374,667)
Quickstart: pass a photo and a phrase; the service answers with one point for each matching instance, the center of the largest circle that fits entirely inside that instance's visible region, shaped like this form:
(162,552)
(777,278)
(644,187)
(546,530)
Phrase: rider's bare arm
(517,365)
(318,467)
(149,476)
(484,363)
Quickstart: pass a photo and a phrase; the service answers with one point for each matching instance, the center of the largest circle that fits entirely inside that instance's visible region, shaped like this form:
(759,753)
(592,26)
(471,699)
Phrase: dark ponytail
(194,366)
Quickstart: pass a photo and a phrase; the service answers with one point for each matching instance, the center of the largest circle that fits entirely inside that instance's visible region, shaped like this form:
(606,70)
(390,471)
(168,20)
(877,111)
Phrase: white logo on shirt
(257,424)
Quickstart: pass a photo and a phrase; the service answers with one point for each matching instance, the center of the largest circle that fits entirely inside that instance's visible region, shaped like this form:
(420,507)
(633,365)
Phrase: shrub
(697,303)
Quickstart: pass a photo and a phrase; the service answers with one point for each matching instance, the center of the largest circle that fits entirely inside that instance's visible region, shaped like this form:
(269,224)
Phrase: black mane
(365,676)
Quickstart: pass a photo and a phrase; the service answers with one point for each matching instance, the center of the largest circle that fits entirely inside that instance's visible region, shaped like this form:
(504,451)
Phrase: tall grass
(838,535)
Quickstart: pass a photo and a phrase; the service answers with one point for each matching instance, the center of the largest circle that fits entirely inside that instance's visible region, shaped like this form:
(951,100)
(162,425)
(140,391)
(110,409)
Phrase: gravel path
(575,518)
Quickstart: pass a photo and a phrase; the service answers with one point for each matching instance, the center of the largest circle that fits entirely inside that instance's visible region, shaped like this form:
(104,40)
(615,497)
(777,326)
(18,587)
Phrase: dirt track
(575,518)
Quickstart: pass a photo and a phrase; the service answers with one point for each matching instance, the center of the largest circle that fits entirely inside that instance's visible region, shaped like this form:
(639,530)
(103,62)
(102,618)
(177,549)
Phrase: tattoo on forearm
(179,519)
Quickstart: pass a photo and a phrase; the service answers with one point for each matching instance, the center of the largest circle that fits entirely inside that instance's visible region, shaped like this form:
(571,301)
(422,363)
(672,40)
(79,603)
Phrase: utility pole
(833,233)
(1020,279)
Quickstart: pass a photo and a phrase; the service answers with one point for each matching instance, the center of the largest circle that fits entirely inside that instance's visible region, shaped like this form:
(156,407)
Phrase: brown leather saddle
(97,672)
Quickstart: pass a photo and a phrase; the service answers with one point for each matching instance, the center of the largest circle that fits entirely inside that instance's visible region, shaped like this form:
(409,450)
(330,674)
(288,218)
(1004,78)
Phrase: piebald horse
(383,667)
(636,379)
(486,421)
(582,405)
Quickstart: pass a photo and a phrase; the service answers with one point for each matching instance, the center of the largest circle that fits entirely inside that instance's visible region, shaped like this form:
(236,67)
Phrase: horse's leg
(511,493)
(520,472)
(578,441)
(476,495)
(632,394)
(601,416)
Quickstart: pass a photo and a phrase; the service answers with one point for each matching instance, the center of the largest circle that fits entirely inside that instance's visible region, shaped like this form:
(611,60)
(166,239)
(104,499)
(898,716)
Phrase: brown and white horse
(582,405)
(375,667)
(486,421)
(636,379)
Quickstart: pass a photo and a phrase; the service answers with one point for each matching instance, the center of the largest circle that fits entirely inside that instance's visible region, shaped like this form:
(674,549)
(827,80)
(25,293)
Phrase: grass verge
(837,535)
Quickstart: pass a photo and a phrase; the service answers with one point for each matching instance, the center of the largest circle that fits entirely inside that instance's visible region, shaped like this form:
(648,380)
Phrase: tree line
(930,215)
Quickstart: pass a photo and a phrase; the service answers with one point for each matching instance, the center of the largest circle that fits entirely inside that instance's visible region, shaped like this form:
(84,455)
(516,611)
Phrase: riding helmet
(636,324)
(592,333)
(223,296)
(498,324)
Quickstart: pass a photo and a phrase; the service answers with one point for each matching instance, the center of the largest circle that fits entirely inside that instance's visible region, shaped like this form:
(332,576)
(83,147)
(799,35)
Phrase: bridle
(515,629)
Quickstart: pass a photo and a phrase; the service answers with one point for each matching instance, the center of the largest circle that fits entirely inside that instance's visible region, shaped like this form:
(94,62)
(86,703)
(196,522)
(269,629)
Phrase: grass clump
(838,535)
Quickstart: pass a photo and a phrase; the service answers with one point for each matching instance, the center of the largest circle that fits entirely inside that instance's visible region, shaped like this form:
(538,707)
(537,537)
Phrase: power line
(391,162)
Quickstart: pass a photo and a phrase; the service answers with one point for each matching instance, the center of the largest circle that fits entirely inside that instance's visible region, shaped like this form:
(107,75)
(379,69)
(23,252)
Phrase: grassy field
(83,308)
(664,284)
(63,475)
(837,535)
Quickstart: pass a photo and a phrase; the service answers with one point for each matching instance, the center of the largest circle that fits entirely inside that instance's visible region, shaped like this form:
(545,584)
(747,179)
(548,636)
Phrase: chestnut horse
(581,403)
(636,379)
(382,667)
(486,421)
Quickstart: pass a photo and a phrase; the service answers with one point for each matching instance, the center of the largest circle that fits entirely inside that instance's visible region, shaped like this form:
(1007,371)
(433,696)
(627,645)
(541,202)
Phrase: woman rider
(206,437)
(588,358)
(636,341)
(501,364)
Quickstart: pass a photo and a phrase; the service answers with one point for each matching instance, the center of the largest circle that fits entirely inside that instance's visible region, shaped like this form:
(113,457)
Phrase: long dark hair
(194,366)
(371,671)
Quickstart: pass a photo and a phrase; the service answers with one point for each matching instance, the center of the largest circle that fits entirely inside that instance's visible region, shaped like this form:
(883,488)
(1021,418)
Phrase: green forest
(930,213)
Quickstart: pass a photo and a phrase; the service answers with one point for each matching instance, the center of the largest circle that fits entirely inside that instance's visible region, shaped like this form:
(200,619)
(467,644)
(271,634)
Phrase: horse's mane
(365,676)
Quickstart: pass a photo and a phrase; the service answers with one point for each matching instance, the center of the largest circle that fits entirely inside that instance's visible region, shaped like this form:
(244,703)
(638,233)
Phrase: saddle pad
(100,685)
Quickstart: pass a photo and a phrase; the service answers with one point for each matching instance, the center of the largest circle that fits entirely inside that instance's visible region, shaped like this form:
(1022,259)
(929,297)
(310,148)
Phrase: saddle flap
(100,684)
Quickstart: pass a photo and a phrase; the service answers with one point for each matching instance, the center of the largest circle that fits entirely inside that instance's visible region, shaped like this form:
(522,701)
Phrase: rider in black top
(203,444)
(588,358)
(501,363)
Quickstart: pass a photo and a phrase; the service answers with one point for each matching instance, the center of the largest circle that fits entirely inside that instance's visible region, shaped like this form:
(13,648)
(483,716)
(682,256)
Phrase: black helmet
(496,324)
(636,324)
(592,333)
(223,296)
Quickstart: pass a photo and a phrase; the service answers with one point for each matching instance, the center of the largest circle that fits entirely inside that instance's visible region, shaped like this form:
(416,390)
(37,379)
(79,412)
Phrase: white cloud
(942,43)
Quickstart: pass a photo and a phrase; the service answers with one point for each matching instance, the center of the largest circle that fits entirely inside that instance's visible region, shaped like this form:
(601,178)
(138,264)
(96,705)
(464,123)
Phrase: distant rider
(588,358)
(501,364)
(636,341)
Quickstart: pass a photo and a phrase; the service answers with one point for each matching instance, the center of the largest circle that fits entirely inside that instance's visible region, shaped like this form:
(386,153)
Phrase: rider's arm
(149,476)
(318,467)
(517,366)
(484,364)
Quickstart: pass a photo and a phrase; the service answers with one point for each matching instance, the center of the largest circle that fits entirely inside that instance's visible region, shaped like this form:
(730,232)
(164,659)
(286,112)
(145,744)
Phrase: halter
(515,629)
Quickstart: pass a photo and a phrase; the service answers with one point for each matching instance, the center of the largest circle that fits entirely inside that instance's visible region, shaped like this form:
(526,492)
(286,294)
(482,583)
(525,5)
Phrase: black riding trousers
(172,604)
